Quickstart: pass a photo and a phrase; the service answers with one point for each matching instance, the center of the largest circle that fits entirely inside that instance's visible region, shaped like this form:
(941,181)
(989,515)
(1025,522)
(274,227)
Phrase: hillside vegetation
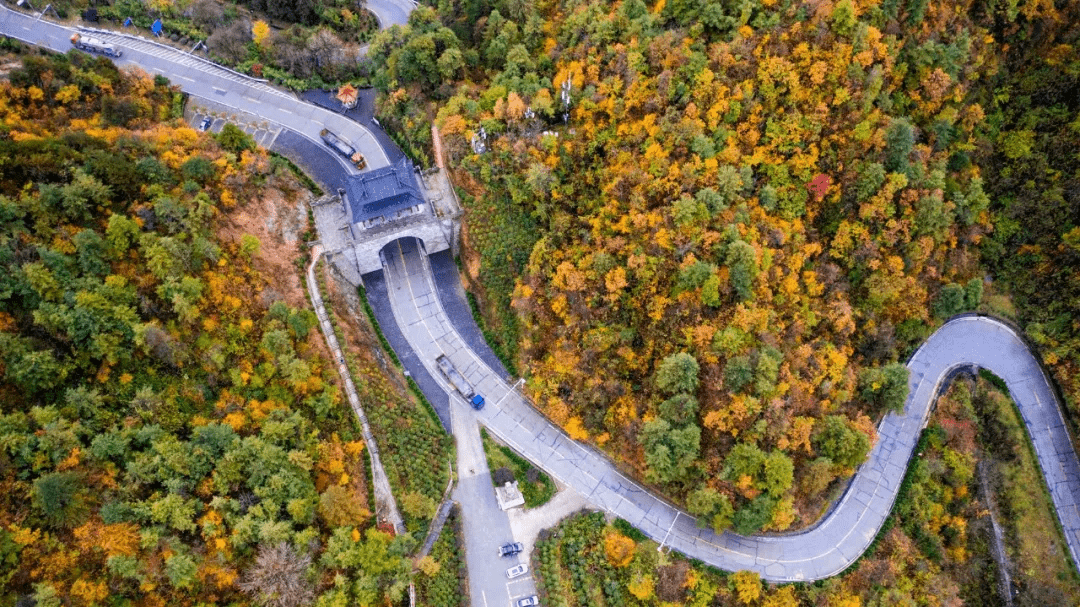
(711,232)
(302,44)
(171,432)
(936,550)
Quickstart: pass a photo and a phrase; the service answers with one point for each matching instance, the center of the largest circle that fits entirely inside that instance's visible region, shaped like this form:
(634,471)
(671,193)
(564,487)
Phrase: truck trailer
(458,381)
(94,45)
(340,146)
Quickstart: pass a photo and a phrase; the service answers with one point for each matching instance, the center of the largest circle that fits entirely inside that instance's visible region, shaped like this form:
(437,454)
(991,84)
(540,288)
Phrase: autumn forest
(710,233)
(172,432)
(707,233)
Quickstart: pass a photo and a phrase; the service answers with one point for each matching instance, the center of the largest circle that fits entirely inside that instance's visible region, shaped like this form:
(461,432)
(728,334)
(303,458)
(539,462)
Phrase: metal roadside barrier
(171,48)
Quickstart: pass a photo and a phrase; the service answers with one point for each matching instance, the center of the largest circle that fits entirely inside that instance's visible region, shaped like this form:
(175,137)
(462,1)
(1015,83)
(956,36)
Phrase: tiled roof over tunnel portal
(379,207)
(383,195)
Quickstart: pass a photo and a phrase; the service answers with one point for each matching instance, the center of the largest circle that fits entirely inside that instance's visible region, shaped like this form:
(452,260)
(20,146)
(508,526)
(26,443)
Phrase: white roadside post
(514,387)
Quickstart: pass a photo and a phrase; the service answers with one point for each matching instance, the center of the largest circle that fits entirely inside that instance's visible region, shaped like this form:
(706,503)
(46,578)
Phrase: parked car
(205,124)
(517,571)
(529,601)
(510,549)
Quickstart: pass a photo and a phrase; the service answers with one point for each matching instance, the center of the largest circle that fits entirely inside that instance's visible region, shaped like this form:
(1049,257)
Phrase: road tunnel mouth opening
(403,246)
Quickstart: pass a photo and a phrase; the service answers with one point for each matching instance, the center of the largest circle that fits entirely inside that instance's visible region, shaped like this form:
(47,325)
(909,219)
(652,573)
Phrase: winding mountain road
(845,533)
(823,551)
(390,12)
(206,80)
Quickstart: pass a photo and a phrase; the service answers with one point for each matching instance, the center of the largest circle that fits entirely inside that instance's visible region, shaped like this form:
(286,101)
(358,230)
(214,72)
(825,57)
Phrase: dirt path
(436,142)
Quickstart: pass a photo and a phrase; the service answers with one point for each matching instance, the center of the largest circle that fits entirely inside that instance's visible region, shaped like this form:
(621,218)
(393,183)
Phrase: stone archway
(429,235)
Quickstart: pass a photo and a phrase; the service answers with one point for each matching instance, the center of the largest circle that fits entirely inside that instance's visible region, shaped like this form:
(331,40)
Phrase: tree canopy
(168,432)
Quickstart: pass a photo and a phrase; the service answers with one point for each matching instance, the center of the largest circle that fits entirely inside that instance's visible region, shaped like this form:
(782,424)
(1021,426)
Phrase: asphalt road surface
(364,113)
(456,306)
(204,79)
(375,287)
(845,533)
(823,551)
(391,12)
(409,292)
(485,525)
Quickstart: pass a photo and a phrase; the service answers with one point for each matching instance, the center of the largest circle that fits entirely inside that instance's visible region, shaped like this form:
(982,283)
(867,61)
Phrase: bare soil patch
(277,219)
(7,66)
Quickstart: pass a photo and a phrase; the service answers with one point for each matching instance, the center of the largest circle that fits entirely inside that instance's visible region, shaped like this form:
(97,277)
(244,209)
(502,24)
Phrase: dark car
(529,601)
(477,402)
(510,549)
(205,124)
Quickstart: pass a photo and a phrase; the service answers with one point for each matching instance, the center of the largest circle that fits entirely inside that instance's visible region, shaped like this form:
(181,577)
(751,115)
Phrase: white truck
(94,45)
(458,381)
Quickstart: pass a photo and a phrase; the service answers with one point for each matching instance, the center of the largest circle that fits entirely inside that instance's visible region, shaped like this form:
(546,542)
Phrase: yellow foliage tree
(339,507)
(260,32)
(783,597)
(747,586)
(71,461)
(619,549)
(568,277)
(221,577)
(117,539)
(452,125)
(542,102)
(515,107)
(799,434)
(67,94)
(429,566)
(783,515)
(237,420)
(642,587)
(89,593)
(845,601)
(120,539)
(557,410)
(576,430)
(615,279)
